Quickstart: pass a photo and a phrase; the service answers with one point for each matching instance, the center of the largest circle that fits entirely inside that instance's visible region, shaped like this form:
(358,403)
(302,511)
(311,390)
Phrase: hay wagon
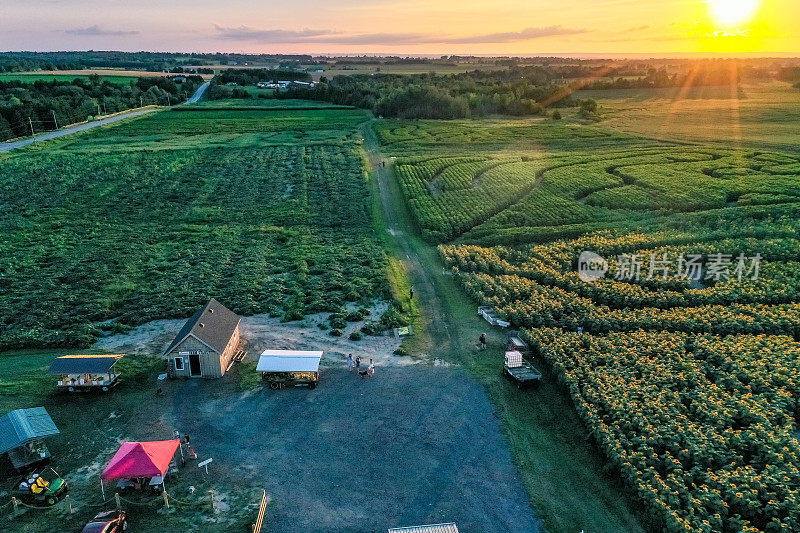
(289,368)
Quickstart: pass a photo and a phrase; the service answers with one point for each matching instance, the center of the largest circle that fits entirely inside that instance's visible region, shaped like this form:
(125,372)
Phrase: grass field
(266,103)
(268,212)
(518,200)
(758,115)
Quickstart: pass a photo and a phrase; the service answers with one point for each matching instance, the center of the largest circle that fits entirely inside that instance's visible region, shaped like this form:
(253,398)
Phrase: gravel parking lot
(415,444)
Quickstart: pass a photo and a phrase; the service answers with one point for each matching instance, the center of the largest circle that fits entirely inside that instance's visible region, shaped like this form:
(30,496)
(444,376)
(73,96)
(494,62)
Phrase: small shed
(289,367)
(21,432)
(86,372)
(206,344)
(433,528)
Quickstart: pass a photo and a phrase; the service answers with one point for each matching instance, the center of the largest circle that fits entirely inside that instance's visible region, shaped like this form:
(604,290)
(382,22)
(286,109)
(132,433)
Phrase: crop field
(160,218)
(757,115)
(684,381)
(265,103)
(32,78)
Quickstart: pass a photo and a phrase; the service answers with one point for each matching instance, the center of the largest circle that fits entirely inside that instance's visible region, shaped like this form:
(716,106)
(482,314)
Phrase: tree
(556,115)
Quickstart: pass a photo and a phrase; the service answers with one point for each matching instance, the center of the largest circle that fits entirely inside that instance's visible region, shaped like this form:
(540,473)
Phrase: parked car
(107,522)
(46,487)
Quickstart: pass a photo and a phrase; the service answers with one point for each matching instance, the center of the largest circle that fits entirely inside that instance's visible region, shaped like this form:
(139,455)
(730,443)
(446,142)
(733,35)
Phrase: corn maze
(686,382)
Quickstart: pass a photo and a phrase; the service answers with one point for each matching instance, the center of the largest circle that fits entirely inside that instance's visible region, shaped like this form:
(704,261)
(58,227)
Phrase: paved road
(198,94)
(6,146)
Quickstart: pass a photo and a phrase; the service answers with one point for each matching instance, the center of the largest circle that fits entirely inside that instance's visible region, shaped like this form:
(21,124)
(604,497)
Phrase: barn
(205,345)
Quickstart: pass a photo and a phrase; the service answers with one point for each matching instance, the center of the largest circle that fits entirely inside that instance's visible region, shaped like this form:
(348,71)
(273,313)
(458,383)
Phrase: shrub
(356,336)
(335,332)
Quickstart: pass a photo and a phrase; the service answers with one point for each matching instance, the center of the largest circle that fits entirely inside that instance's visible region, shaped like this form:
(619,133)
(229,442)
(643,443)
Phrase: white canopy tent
(289,361)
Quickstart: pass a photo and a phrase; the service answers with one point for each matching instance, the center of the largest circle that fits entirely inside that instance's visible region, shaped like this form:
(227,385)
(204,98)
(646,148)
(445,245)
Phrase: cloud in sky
(514,36)
(97,30)
(244,33)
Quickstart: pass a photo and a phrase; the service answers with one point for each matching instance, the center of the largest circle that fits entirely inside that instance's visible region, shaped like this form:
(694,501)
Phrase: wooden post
(69,503)
(119,504)
(166,499)
(16,505)
(212,500)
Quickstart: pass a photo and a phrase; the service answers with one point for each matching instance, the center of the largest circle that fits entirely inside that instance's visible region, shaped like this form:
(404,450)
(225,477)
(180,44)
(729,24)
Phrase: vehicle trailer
(520,371)
(289,368)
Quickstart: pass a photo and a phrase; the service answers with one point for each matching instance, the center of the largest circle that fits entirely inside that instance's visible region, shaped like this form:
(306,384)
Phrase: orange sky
(665,27)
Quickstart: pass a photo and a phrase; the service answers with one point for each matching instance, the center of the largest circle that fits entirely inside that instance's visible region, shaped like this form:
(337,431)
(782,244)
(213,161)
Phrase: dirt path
(439,324)
(561,470)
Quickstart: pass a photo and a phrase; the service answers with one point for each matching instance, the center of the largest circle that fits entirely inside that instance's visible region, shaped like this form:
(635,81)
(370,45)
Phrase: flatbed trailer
(520,371)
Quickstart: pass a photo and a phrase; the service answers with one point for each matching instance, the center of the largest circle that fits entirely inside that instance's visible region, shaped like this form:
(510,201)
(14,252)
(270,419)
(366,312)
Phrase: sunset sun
(732,12)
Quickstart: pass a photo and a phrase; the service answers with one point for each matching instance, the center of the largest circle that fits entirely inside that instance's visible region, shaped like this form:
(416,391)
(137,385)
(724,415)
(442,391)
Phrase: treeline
(151,61)
(662,78)
(44,105)
(475,93)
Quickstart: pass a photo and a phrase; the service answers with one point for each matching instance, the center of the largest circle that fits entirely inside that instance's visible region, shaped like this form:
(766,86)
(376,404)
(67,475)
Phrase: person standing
(411,293)
(358,363)
(371,368)
(482,340)
(350,363)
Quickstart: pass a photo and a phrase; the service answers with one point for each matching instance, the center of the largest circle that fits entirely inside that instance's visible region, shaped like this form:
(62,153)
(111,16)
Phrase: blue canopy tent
(21,432)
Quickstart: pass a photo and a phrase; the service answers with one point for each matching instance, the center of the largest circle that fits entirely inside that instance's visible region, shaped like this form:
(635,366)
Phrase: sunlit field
(757,115)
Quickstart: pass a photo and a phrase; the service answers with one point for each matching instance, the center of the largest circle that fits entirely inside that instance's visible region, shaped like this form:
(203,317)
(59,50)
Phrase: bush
(354,316)
(371,327)
(335,332)
(556,115)
(356,336)
(337,321)
(402,351)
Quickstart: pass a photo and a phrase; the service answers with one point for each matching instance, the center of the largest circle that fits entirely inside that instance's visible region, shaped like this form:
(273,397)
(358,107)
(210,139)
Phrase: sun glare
(732,12)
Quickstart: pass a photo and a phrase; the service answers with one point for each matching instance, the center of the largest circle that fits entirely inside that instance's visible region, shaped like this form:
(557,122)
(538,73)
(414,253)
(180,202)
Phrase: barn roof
(23,426)
(214,325)
(433,528)
(84,364)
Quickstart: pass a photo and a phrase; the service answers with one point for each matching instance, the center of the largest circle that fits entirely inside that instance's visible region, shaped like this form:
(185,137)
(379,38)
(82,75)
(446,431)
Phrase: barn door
(194,364)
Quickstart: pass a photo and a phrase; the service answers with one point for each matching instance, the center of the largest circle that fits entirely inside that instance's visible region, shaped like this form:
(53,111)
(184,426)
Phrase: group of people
(355,364)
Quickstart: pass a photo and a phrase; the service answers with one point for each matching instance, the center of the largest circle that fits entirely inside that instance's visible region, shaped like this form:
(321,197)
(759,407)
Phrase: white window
(179,363)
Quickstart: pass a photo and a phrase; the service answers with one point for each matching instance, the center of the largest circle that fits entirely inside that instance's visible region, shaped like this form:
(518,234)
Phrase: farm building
(86,372)
(21,432)
(206,344)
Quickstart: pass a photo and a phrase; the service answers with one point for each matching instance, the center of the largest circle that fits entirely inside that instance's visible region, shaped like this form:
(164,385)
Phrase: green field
(517,201)
(31,78)
(266,104)
(756,115)
(267,211)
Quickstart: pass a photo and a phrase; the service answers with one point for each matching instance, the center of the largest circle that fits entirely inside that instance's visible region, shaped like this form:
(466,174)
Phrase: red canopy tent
(141,459)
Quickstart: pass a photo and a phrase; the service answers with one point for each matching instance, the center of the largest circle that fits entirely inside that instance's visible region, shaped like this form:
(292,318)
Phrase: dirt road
(439,323)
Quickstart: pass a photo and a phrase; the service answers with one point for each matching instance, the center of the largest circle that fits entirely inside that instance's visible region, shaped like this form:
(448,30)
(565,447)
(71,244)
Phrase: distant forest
(152,61)
(516,91)
(44,104)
